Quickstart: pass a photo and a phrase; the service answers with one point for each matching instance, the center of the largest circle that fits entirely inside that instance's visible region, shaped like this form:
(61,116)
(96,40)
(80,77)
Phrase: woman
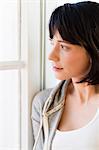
(67,116)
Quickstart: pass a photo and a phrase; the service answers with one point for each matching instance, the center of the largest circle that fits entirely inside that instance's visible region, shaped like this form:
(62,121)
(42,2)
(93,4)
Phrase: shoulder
(39,99)
(41,96)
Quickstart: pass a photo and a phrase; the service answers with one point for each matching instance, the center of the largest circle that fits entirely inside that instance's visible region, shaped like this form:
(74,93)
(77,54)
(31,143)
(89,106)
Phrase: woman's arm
(37,107)
(35,117)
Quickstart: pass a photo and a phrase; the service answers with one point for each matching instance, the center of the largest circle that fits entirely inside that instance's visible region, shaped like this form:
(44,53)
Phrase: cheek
(68,66)
(69,62)
(76,64)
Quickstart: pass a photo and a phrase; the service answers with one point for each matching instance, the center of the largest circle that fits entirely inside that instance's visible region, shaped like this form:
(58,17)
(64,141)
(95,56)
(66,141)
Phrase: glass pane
(8,30)
(9,110)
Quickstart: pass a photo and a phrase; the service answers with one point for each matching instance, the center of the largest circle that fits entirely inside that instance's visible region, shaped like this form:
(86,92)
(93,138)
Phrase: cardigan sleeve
(36,116)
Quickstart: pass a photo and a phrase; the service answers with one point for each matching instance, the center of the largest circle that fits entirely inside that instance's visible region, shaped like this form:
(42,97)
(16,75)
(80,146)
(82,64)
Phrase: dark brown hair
(78,23)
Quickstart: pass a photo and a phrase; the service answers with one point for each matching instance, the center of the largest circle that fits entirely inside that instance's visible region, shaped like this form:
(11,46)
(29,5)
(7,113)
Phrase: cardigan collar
(52,111)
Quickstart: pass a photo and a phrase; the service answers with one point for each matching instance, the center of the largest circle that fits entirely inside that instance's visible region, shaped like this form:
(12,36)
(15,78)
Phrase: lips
(55,68)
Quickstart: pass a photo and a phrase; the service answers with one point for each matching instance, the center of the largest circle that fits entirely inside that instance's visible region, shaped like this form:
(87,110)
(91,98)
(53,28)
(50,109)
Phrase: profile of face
(68,60)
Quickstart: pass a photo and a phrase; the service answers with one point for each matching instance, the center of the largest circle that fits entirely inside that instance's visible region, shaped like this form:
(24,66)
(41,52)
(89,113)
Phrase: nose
(54,54)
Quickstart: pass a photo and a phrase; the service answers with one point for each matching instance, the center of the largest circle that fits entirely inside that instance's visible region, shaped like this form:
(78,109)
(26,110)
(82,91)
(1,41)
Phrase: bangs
(66,20)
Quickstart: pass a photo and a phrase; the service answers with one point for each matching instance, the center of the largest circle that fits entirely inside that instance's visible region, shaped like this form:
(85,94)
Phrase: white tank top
(85,138)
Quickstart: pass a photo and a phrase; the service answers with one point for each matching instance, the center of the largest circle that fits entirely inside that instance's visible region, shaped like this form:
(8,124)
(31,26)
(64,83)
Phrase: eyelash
(64,47)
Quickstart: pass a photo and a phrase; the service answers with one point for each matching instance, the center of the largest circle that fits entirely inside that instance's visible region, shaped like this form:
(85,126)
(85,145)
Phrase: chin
(62,78)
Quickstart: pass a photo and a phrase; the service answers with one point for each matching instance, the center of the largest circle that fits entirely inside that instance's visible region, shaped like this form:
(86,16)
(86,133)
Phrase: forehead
(57,37)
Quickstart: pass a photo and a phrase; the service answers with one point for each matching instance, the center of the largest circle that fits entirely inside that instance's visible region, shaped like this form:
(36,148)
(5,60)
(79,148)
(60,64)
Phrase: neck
(83,92)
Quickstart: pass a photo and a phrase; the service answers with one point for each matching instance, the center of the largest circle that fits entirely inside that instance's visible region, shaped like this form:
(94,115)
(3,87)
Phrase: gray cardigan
(47,108)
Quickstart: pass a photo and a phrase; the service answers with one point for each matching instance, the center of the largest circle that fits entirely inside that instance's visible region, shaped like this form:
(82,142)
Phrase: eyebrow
(62,41)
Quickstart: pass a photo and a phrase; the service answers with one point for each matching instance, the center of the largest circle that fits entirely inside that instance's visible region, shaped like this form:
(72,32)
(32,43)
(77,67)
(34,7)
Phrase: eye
(64,47)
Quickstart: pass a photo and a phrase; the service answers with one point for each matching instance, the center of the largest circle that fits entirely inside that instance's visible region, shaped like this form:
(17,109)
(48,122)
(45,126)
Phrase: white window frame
(31,74)
(28,65)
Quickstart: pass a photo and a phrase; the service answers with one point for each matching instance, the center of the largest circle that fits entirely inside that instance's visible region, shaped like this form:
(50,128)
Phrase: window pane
(9,110)
(8,30)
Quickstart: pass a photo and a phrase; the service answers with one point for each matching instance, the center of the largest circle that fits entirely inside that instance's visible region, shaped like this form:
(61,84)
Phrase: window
(10,75)
(19,71)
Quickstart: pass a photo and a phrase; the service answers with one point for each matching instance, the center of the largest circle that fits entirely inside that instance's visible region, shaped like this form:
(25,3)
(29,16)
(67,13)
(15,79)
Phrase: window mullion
(12,65)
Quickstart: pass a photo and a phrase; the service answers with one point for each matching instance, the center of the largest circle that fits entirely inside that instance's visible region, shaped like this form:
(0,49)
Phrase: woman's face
(68,60)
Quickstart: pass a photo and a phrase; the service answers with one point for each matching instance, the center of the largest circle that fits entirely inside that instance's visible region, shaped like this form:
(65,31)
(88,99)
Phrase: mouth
(57,68)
